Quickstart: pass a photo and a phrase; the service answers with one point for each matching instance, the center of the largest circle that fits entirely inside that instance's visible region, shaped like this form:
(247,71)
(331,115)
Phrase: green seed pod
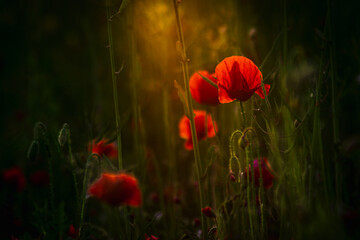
(39,130)
(33,151)
(63,135)
(243,142)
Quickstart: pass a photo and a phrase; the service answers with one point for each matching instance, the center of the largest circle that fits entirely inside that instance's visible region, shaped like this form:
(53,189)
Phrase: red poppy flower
(104,148)
(207,211)
(201,90)
(238,78)
(40,178)
(116,189)
(266,170)
(72,232)
(201,132)
(15,177)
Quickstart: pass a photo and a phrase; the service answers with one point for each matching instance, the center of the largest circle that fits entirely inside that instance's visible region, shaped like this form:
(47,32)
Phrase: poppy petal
(200,126)
(239,78)
(202,91)
(116,189)
(259,91)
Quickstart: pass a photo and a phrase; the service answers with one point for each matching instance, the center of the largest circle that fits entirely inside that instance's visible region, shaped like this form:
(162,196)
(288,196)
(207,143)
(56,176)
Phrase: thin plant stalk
(83,194)
(248,194)
(190,113)
(333,103)
(243,114)
(72,161)
(115,90)
(116,100)
(172,163)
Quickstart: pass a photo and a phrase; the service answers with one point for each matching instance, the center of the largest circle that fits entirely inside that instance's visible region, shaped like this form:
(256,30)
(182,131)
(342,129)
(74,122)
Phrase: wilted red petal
(238,79)
(201,132)
(104,148)
(117,189)
(15,177)
(201,90)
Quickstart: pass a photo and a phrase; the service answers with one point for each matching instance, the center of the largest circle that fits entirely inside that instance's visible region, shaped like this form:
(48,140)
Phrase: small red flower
(201,90)
(207,211)
(40,178)
(196,222)
(201,132)
(104,148)
(238,78)
(266,170)
(116,189)
(15,177)
(151,237)
(72,232)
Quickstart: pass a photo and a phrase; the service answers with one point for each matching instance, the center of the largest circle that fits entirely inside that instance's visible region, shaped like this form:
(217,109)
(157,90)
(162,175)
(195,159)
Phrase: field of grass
(180,119)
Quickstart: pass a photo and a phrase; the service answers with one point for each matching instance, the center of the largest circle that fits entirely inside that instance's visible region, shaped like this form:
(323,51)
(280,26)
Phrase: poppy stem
(115,90)
(243,113)
(189,109)
(84,187)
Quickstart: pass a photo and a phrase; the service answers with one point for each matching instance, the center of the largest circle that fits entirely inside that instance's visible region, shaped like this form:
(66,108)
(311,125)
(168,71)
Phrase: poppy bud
(33,151)
(196,222)
(207,211)
(63,134)
(243,142)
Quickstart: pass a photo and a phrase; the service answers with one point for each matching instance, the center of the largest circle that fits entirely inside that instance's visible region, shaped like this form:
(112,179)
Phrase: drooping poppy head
(266,171)
(14,177)
(238,79)
(200,125)
(201,90)
(102,147)
(208,212)
(116,189)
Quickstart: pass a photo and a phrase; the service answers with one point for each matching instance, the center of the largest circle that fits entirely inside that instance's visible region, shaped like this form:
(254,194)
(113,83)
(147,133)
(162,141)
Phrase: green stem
(73,165)
(115,90)
(243,113)
(83,194)
(248,194)
(333,103)
(172,164)
(190,109)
